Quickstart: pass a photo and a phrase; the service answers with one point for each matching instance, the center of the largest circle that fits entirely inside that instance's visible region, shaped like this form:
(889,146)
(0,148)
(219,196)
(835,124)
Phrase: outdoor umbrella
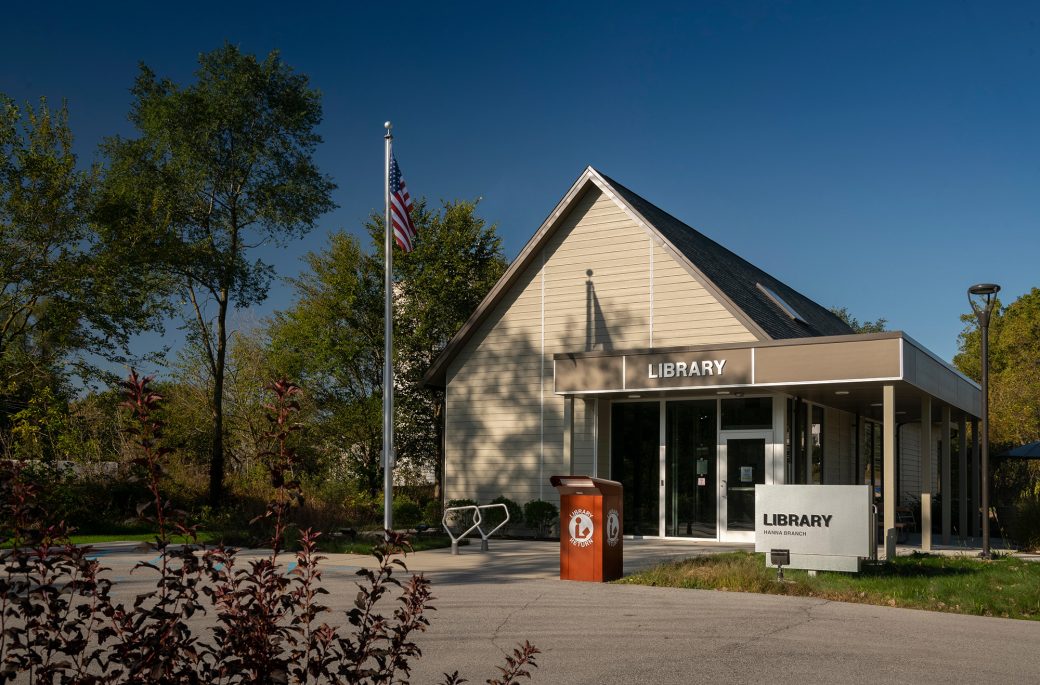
(1028,451)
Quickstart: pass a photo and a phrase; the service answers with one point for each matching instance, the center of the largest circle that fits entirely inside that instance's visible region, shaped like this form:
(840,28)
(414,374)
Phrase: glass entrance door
(691,469)
(682,475)
(743,466)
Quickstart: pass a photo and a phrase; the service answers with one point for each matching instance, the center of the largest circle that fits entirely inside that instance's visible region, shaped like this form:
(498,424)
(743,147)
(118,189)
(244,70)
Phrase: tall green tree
(218,168)
(68,297)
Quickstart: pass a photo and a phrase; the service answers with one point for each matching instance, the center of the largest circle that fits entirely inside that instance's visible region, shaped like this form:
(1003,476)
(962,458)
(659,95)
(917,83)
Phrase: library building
(624,344)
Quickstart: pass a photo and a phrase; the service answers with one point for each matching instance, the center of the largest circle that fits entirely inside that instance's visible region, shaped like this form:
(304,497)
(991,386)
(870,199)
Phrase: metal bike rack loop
(477,520)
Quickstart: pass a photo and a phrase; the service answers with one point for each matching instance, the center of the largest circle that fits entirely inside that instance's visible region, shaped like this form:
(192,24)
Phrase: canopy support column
(926,473)
(888,413)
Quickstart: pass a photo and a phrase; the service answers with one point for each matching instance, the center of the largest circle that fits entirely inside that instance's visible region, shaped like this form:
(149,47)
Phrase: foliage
(245,423)
(68,295)
(1014,389)
(407,511)
(59,623)
(1014,352)
(456,261)
(1006,587)
(1025,528)
(43,578)
(332,338)
(218,168)
(541,516)
(432,513)
(878,326)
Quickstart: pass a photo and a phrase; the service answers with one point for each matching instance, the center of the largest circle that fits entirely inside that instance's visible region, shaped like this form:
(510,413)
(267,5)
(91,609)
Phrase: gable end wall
(504,424)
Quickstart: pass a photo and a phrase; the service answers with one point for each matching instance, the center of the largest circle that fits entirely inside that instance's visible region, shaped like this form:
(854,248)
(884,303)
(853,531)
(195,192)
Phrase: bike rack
(477,520)
(444,523)
(484,536)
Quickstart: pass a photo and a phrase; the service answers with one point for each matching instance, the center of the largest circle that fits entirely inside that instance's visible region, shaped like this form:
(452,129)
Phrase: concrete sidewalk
(539,559)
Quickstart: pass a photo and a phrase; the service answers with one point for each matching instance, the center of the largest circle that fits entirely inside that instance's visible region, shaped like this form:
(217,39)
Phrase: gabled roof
(739,285)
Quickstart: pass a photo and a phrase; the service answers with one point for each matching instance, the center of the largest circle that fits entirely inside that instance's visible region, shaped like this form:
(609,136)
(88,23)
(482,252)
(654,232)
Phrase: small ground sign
(825,527)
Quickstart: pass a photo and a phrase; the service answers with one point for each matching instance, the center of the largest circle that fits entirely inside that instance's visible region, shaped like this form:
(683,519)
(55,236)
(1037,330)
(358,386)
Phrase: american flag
(400,209)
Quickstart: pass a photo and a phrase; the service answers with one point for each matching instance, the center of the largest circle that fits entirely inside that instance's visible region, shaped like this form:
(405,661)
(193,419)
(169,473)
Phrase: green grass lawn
(1005,587)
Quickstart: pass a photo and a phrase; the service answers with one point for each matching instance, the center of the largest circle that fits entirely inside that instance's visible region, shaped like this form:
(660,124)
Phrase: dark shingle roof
(738,278)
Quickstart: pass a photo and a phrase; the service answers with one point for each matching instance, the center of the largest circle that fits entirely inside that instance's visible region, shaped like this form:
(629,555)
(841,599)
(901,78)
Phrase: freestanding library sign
(824,527)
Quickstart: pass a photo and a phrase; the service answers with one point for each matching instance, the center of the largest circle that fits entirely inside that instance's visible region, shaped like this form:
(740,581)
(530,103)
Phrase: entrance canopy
(847,372)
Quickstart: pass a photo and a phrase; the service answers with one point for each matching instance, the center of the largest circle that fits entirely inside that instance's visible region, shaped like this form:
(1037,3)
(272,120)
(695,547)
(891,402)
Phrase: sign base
(821,562)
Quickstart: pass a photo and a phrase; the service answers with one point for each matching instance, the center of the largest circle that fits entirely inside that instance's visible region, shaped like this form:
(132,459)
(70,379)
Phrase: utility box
(591,521)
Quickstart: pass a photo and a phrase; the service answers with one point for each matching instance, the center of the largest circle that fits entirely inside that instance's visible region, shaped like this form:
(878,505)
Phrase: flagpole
(388,350)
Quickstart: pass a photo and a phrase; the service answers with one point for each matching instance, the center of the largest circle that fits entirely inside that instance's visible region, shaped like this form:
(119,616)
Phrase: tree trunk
(216,459)
(438,468)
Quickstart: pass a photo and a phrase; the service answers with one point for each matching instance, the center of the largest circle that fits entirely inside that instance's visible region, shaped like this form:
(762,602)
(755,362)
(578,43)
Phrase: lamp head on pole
(983,297)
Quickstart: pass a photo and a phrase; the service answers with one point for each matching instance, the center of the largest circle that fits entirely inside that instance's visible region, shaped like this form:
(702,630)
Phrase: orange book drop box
(591,520)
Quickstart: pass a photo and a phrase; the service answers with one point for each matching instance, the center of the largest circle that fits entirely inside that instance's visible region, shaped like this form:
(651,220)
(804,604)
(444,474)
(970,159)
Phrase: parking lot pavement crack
(799,618)
(508,618)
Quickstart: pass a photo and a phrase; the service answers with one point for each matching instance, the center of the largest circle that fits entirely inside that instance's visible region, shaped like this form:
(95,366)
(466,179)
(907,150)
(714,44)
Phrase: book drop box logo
(581,527)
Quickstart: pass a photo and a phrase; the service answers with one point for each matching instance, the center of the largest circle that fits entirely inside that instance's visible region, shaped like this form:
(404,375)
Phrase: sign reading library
(827,520)
(677,370)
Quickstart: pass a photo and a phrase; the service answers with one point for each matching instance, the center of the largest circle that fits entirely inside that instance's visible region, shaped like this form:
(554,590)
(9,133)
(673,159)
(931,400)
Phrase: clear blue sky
(880,156)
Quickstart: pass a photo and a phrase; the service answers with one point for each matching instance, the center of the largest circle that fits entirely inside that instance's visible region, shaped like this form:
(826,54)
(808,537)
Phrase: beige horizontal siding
(685,313)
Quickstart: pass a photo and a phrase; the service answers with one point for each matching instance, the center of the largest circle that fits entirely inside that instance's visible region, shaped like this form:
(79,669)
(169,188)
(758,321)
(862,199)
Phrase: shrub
(432,514)
(406,511)
(541,516)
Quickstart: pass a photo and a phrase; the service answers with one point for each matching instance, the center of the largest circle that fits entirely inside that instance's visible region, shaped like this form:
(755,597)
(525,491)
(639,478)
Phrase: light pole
(983,298)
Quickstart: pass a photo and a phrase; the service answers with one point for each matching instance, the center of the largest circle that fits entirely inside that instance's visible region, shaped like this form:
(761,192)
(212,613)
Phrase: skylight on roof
(781,302)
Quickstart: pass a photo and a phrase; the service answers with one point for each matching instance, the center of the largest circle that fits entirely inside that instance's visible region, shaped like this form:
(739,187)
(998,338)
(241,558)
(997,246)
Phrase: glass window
(781,302)
(747,413)
(635,461)
(691,476)
(817,445)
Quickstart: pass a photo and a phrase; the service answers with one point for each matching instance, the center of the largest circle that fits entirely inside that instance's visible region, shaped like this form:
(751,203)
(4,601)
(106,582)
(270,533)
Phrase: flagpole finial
(389,129)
